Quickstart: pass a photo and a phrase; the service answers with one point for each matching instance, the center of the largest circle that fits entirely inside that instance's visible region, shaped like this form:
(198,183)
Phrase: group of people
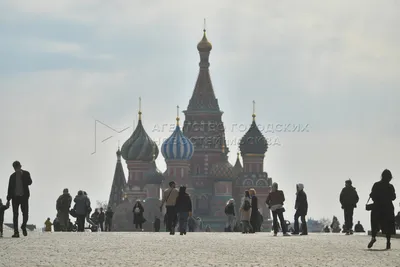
(251,218)
(179,206)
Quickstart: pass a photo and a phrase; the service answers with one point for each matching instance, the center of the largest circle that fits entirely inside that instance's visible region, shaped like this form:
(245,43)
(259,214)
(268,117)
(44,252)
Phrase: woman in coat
(275,201)
(183,208)
(382,213)
(255,216)
(138,218)
(245,213)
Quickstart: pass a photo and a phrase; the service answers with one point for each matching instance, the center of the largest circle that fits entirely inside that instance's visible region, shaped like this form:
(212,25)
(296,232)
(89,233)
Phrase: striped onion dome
(177,146)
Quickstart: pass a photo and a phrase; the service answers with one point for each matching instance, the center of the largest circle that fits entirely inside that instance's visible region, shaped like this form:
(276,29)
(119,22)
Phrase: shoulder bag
(370,206)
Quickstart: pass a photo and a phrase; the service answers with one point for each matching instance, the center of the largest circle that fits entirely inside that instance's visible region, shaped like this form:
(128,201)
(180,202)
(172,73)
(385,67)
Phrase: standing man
(63,205)
(348,200)
(101,219)
(301,208)
(18,193)
(169,198)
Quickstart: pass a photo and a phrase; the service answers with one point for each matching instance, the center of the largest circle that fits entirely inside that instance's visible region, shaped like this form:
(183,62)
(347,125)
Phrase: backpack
(246,205)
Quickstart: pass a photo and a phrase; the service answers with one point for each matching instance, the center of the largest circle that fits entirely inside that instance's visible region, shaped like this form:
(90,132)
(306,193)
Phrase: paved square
(195,249)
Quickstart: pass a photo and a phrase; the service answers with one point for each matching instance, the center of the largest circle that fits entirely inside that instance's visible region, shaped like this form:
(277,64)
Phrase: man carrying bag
(169,198)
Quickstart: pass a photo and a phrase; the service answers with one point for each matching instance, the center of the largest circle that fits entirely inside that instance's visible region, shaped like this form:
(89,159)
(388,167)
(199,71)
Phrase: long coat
(382,214)
(301,205)
(138,216)
(245,215)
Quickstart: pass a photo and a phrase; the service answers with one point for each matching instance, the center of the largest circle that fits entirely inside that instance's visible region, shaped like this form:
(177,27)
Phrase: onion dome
(253,142)
(204,45)
(177,146)
(139,146)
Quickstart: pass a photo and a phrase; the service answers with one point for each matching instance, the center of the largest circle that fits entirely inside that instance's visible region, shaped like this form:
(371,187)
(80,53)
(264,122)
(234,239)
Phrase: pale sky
(333,65)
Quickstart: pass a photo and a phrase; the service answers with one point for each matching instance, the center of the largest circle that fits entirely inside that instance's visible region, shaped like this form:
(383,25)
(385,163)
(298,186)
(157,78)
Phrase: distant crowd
(179,215)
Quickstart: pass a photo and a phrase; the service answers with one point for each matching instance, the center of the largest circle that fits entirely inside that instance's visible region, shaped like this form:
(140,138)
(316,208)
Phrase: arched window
(248,182)
(261,182)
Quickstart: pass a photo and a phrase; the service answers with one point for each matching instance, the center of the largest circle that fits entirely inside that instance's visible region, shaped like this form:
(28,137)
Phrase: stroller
(93,222)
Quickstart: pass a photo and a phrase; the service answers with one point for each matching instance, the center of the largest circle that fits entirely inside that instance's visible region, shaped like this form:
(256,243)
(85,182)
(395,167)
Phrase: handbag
(369,207)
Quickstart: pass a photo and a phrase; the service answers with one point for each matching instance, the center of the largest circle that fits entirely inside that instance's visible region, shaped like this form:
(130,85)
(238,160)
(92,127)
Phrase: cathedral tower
(204,127)
(138,154)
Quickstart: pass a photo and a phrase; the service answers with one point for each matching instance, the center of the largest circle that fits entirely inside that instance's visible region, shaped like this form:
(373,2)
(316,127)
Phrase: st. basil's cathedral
(197,157)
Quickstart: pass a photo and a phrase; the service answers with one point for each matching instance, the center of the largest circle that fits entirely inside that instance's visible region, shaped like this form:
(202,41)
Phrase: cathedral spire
(118,184)
(177,115)
(254,110)
(203,97)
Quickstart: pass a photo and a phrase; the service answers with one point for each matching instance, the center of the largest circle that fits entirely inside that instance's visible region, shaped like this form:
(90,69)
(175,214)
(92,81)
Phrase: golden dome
(204,45)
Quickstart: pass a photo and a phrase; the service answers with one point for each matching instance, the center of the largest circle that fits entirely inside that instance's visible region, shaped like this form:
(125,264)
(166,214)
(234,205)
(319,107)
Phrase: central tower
(204,127)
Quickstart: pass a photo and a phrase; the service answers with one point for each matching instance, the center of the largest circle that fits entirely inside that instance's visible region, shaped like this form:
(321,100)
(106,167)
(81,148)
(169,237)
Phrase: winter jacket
(245,215)
(64,202)
(48,225)
(101,217)
(301,205)
(349,197)
(275,199)
(183,203)
(26,182)
(81,207)
(230,209)
(138,211)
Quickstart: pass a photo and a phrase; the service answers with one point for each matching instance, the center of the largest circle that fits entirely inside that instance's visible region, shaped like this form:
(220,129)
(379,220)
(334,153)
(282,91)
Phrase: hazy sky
(333,65)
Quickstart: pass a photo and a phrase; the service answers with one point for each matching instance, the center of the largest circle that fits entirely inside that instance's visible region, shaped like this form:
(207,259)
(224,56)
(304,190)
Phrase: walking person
(101,219)
(245,213)
(63,205)
(348,199)
(255,216)
(301,208)
(230,213)
(275,201)
(169,199)
(80,210)
(184,209)
(109,216)
(3,208)
(382,213)
(18,193)
(138,218)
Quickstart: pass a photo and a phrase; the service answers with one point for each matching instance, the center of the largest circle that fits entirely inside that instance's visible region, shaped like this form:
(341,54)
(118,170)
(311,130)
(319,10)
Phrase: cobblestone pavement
(195,249)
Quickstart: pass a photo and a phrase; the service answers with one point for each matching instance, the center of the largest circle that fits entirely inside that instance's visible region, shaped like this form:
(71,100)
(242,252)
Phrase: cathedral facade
(196,156)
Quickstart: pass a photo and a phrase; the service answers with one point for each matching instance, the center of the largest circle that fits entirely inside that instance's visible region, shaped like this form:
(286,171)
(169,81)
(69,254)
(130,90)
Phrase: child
(3,208)
(48,225)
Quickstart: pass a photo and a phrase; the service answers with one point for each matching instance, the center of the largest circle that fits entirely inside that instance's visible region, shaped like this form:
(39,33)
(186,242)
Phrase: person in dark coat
(18,193)
(275,201)
(348,200)
(109,216)
(255,216)
(358,228)
(301,208)
(183,207)
(138,218)
(63,205)
(382,213)
(101,219)
(230,213)
(81,210)
(3,208)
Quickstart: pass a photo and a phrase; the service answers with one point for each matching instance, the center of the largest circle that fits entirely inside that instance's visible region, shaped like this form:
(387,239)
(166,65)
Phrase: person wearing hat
(63,205)
(348,200)
(18,193)
(169,199)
